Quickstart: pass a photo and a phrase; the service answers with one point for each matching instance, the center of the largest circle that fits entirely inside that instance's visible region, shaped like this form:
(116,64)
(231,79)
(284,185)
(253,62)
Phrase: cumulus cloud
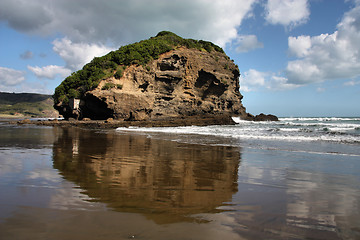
(299,46)
(327,56)
(76,55)
(280,83)
(50,71)
(123,21)
(247,43)
(287,12)
(11,77)
(253,80)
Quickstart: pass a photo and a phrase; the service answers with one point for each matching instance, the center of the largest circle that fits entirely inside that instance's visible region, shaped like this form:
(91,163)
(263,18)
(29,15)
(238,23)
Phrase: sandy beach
(68,182)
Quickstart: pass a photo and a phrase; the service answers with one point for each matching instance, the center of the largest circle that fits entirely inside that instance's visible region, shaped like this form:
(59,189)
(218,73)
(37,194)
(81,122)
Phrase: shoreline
(113,124)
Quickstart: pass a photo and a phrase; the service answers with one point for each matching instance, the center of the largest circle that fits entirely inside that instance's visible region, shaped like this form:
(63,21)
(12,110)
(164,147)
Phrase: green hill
(24,105)
(115,62)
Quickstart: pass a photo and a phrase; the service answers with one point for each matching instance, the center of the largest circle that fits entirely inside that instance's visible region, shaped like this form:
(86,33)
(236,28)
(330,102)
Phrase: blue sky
(296,57)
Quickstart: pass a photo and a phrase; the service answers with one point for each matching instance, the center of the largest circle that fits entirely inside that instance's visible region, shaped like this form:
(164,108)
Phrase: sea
(297,178)
(324,135)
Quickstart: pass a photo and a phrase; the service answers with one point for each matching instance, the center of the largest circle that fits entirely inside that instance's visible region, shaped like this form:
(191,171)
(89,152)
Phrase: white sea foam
(336,130)
(238,120)
(318,119)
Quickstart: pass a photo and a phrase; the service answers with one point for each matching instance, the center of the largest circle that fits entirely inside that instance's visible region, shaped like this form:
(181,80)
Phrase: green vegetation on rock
(110,85)
(115,62)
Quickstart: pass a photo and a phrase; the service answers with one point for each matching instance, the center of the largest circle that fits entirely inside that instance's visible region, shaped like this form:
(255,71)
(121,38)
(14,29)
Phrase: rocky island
(162,79)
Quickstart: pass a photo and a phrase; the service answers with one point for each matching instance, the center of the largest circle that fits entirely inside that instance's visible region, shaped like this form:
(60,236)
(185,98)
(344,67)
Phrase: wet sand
(71,183)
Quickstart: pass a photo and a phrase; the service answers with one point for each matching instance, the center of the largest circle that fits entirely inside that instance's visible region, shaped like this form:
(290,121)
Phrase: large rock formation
(180,82)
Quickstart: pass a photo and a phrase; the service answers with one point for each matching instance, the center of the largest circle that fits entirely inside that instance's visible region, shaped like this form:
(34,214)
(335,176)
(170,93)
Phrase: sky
(297,58)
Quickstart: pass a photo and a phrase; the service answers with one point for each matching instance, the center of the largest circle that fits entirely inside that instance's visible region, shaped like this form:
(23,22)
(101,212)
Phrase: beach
(293,179)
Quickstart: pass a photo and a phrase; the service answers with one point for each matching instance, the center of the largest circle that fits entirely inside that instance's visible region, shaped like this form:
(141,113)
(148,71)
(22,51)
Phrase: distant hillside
(21,105)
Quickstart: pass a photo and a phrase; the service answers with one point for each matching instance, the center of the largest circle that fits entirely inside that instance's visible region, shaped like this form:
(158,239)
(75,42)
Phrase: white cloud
(76,55)
(123,21)
(303,72)
(50,71)
(253,80)
(280,83)
(11,77)
(351,83)
(299,46)
(327,56)
(12,80)
(287,12)
(247,43)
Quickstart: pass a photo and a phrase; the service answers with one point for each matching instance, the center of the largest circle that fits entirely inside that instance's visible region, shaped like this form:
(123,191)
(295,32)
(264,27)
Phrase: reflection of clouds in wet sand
(138,174)
(9,164)
(282,198)
(257,175)
(68,197)
(323,202)
(44,175)
(26,178)
(26,164)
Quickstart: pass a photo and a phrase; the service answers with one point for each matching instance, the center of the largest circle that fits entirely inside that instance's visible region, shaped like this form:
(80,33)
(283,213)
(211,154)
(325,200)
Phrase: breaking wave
(338,130)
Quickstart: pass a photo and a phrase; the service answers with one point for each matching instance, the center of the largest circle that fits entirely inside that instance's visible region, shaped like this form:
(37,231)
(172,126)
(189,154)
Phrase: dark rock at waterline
(265,117)
(204,120)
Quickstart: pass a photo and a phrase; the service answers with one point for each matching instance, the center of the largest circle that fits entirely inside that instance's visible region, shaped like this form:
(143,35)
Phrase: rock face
(164,78)
(182,82)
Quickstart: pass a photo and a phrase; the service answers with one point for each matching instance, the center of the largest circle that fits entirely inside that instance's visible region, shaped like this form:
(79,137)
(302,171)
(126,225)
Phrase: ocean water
(298,178)
(328,135)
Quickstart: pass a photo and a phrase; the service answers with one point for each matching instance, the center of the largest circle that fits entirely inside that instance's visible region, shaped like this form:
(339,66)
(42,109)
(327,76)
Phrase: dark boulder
(265,117)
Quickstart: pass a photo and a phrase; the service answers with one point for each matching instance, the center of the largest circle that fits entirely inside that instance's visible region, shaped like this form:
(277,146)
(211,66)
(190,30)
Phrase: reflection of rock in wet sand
(138,174)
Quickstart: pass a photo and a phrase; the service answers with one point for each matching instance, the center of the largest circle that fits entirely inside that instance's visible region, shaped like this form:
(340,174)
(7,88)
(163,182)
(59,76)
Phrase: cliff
(182,82)
(164,77)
